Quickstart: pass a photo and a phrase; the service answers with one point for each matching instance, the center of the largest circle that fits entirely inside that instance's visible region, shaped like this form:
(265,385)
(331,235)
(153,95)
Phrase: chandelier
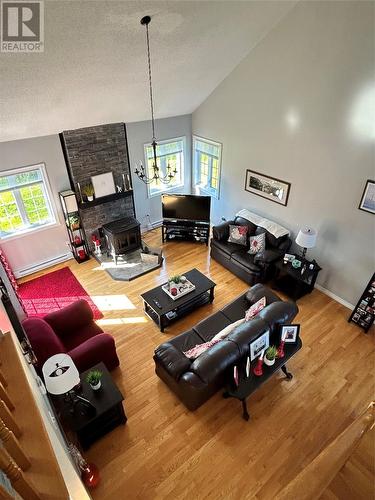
(141,172)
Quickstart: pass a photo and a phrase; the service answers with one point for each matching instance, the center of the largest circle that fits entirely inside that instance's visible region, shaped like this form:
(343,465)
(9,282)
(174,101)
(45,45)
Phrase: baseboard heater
(42,265)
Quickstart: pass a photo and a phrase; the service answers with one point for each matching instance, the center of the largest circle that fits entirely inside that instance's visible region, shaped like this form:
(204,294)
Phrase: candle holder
(258,370)
(280,351)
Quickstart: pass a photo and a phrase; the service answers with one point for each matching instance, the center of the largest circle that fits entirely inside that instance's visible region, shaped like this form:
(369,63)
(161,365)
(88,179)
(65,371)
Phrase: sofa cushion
(238,234)
(257,244)
(271,240)
(225,247)
(236,309)
(172,360)
(186,341)
(245,333)
(254,309)
(246,260)
(258,291)
(209,327)
(240,221)
(214,362)
(278,313)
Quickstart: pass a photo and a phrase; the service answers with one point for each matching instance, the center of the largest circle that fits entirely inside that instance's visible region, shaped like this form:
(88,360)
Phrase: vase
(90,198)
(97,386)
(269,362)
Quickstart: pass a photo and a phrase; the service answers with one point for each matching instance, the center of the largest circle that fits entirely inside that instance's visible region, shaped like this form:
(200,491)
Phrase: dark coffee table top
(103,399)
(247,386)
(201,282)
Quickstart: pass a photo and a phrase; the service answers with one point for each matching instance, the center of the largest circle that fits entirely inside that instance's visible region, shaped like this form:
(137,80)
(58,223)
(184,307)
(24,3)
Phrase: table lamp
(61,377)
(306,238)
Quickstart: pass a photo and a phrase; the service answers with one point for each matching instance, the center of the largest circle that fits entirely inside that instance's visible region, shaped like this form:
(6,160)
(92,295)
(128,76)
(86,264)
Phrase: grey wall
(139,133)
(46,244)
(298,107)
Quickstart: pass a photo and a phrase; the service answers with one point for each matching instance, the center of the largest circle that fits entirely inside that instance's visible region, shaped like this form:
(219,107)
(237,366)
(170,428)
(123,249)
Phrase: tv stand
(185,231)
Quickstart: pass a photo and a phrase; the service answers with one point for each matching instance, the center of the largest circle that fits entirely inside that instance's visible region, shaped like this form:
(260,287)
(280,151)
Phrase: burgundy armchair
(71,330)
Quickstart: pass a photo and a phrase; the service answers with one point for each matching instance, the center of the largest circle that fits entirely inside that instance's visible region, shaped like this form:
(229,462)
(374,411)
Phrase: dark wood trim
(66,158)
(130,170)
(104,199)
(273,179)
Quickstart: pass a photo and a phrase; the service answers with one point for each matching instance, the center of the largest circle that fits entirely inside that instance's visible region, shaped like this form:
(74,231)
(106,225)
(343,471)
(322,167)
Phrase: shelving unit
(186,231)
(77,241)
(363,314)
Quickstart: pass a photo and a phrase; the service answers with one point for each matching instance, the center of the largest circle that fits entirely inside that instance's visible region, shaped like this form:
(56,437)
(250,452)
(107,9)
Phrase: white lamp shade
(306,237)
(60,374)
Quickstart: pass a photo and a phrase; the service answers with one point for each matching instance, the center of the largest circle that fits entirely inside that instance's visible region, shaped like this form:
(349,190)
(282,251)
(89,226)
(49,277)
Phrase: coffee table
(109,409)
(247,386)
(163,310)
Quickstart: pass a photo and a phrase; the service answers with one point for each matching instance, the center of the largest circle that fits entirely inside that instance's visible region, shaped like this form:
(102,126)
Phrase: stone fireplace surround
(92,151)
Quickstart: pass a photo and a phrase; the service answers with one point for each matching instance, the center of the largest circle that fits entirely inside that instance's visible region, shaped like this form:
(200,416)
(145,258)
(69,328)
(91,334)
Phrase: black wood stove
(122,236)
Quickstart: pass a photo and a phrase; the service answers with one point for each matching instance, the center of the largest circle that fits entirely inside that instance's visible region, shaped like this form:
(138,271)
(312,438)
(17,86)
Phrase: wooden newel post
(16,477)
(8,419)
(13,446)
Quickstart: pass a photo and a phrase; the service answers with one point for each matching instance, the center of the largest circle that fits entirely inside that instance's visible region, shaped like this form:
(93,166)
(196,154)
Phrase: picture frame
(367,203)
(290,333)
(268,187)
(103,184)
(258,345)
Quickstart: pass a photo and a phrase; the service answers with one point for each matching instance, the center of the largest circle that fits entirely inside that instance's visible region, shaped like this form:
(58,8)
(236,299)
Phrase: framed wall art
(368,197)
(290,333)
(259,345)
(103,184)
(267,187)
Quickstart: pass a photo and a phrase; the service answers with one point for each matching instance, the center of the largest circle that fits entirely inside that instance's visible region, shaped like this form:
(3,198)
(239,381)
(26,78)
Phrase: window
(207,165)
(24,201)
(170,152)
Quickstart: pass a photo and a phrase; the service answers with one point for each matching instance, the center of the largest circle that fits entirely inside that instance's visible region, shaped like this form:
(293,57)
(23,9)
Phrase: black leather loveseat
(257,268)
(195,381)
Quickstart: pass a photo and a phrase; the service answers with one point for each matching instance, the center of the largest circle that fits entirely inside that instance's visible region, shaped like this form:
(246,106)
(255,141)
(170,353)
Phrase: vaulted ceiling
(93,69)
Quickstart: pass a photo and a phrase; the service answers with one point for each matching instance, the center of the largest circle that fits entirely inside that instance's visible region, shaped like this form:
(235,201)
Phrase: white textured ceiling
(94,69)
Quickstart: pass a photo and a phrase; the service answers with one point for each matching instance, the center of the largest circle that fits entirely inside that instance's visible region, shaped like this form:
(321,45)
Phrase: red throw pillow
(255,308)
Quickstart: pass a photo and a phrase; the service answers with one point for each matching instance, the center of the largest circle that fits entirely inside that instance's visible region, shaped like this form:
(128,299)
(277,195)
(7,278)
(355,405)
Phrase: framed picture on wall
(367,203)
(267,187)
(103,184)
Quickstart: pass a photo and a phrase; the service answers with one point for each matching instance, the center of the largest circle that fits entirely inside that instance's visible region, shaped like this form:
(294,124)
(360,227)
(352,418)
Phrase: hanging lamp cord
(150,83)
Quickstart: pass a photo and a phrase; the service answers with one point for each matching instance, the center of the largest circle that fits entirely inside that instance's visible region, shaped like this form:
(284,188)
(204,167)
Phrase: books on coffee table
(182,289)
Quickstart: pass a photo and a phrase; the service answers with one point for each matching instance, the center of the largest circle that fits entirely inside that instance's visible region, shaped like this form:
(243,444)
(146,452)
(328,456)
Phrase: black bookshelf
(363,314)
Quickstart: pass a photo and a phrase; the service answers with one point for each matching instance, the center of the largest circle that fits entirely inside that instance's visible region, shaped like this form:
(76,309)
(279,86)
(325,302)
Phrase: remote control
(157,304)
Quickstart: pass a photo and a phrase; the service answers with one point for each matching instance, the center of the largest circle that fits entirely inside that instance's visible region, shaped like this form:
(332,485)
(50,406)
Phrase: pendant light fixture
(141,172)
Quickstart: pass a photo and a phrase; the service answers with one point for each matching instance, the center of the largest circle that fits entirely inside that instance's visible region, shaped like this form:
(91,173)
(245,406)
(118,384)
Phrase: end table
(290,280)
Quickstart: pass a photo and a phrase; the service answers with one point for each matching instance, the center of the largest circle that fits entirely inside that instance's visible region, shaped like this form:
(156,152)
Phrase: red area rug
(52,292)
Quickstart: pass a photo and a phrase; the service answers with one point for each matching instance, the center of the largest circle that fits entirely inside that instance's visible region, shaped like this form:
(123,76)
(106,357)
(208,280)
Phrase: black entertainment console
(185,230)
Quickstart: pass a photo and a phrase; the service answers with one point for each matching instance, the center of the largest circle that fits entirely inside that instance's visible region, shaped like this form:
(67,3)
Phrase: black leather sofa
(252,269)
(195,381)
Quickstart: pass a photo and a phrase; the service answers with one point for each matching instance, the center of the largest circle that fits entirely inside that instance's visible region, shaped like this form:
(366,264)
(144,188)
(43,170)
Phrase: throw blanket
(201,348)
(272,227)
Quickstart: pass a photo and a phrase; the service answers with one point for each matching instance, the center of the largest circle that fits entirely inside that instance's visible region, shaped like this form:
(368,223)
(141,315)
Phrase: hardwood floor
(165,451)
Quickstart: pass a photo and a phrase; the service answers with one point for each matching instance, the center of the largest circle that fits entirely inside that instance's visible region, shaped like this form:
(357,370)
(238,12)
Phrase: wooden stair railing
(16,476)
(316,477)
(13,446)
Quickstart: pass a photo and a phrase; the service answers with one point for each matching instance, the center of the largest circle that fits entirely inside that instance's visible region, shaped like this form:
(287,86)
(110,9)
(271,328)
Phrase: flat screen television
(186,207)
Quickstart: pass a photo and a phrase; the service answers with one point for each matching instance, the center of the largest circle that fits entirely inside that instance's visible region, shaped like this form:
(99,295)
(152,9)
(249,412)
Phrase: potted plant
(88,191)
(271,353)
(73,222)
(94,379)
(173,282)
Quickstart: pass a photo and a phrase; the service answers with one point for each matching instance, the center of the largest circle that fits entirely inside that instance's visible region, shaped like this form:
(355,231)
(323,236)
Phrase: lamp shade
(306,237)
(60,374)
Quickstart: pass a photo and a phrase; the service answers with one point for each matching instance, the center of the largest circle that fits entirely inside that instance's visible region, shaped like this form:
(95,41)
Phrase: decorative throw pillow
(238,234)
(255,308)
(257,243)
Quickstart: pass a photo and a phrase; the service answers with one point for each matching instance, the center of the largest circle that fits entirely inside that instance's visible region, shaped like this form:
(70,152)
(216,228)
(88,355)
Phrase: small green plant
(73,221)
(271,352)
(176,279)
(88,190)
(94,377)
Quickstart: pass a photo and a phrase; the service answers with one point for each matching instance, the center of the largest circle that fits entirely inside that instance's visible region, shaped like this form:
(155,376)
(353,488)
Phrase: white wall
(139,133)
(46,244)
(298,108)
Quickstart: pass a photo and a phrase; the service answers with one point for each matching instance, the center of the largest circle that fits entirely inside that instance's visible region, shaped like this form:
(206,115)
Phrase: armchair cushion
(101,347)
(43,340)
(68,320)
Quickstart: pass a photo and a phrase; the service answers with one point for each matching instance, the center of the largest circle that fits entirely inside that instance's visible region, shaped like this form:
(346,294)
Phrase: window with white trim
(207,166)
(25,201)
(169,152)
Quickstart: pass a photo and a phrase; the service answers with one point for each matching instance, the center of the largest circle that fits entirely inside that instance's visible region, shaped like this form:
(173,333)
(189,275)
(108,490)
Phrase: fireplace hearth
(122,236)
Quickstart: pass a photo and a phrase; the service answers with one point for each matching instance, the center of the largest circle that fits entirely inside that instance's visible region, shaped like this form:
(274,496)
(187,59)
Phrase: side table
(109,409)
(290,280)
